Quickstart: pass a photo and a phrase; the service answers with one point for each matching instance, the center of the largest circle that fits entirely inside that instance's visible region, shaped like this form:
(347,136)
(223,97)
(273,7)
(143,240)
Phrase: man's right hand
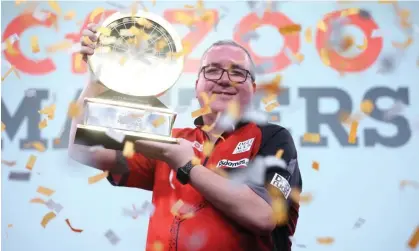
(88,49)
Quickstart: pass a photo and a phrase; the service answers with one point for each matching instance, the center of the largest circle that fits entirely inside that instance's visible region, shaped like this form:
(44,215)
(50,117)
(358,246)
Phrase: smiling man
(193,200)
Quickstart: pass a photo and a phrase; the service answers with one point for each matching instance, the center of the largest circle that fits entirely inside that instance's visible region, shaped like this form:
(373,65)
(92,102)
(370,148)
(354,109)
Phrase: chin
(219,106)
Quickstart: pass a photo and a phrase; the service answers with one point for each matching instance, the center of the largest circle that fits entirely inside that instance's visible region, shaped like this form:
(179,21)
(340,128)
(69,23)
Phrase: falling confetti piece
(207,148)
(158,246)
(54,5)
(38,145)
(202,111)
(364,45)
(73,229)
(104,30)
(279,208)
(31,162)
(303,198)
(128,150)
(43,124)
(69,15)
(402,45)
(414,239)
(112,237)
(272,106)
(353,132)
(290,29)
(37,200)
(115,135)
(9,225)
(315,165)
(61,46)
(325,240)
(308,35)
(10,70)
(346,43)
(54,206)
(269,98)
(196,161)
(19,176)
(279,153)
(8,163)
(49,111)
(35,44)
(324,55)
(47,218)
(176,207)
(3,126)
(159,121)
(367,106)
(311,137)
(359,223)
(97,177)
(74,110)
(322,26)
(404,183)
(45,191)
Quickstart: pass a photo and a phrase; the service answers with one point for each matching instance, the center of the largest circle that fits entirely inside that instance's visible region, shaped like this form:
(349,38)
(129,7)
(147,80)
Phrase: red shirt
(218,232)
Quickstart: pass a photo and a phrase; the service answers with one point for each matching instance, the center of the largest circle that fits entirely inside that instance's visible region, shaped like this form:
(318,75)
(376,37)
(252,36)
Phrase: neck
(210,119)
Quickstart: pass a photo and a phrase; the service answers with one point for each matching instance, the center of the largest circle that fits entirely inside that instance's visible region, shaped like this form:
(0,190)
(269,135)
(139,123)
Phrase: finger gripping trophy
(137,57)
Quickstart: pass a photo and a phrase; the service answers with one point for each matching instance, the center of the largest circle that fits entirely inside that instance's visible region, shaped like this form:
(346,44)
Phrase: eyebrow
(232,66)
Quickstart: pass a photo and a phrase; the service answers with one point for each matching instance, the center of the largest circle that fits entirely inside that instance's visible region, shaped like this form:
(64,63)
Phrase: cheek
(245,94)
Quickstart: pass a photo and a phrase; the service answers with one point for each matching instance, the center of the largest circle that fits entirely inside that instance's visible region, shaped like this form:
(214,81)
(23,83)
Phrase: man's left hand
(175,155)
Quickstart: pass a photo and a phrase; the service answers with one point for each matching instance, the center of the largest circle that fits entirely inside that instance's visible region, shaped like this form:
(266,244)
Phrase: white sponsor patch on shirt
(233,164)
(282,184)
(244,146)
(198,146)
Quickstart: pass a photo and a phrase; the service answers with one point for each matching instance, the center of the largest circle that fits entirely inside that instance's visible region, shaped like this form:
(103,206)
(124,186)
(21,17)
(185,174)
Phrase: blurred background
(365,196)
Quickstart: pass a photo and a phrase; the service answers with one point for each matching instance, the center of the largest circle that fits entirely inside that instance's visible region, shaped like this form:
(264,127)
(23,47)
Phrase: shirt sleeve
(140,172)
(282,177)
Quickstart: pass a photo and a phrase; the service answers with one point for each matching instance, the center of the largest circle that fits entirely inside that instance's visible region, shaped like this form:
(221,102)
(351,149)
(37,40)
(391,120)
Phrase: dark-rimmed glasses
(237,75)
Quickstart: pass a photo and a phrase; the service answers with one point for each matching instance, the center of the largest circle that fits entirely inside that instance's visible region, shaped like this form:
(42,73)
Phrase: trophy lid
(138,55)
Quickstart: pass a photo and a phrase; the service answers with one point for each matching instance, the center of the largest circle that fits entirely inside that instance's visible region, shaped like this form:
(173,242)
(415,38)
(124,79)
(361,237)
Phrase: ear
(196,87)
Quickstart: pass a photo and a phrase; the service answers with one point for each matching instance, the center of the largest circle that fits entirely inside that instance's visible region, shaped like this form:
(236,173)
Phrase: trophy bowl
(137,57)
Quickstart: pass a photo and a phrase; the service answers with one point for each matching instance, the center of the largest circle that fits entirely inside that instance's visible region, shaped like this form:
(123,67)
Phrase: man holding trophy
(190,194)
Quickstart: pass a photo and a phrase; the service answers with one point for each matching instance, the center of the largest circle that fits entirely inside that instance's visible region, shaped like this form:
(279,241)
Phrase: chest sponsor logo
(244,146)
(225,163)
(282,184)
(198,146)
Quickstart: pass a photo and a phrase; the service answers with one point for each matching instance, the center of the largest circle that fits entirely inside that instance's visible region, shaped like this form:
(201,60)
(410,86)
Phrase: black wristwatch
(183,172)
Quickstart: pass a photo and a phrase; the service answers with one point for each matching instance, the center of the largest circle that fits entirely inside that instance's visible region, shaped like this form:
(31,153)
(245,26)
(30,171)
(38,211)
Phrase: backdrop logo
(280,61)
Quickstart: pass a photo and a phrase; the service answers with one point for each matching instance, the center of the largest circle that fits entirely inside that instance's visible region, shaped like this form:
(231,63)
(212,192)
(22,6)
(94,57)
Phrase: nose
(224,80)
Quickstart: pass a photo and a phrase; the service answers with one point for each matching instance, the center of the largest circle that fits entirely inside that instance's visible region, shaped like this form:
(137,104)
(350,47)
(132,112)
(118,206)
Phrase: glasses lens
(214,73)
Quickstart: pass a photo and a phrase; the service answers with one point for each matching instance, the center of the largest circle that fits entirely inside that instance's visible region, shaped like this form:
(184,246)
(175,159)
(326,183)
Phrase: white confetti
(255,116)
(95,148)
(40,15)
(54,206)
(30,93)
(396,109)
(112,237)
(264,67)
(13,38)
(251,35)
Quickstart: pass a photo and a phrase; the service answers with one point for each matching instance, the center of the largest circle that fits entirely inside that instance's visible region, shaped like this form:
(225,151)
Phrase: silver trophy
(138,57)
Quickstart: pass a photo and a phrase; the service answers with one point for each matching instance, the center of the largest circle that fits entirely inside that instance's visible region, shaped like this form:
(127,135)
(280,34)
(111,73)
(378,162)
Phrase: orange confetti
(308,35)
(49,111)
(3,126)
(279,153)
(269,98)
(45,191)
(35,44)
(176,207)
(98,177)
(271,87)
(325,240)
(299,197)
(274,118)
(10,70)
(364,45)
(128,150)
(353,132)
(272,106)
(202,111)
(95,13)
(54,5)
(290,29)
(159,121)
(315,165)
(346,43)
(321,25)
(196,161)
(73,229)
(37,200)
(61,46)
(367,106)
(414,239)
(311,137)
(412,183)
(158,246)
(9,225)
(324,55)
(47,218)
(404,44)
(78,60)
(187,215)
(207,148)
(43,124)
(38,145)
(69,15)
(31,162)
(57,141)
(280,214)
(74,110)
